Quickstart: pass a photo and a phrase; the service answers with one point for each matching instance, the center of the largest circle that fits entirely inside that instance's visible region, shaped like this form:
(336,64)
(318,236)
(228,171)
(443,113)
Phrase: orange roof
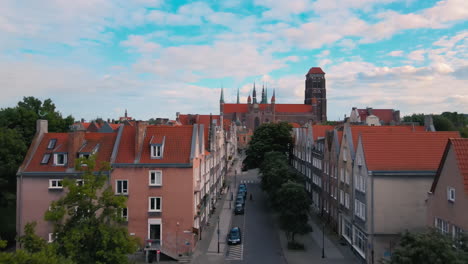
(406,151)
(356,130)
(114,126)
(316,70)
(126,152)
(295,125)
(340,136)
(105,140)
(320,130)
(204,120)
(386,115)
(293,108)
(177,144)
(460,146)
(236,108)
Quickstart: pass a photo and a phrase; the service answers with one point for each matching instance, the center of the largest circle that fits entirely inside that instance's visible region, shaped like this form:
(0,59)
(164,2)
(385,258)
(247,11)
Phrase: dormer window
(60,159)
(451,194)
(156,151)
(52,143)
(84,155)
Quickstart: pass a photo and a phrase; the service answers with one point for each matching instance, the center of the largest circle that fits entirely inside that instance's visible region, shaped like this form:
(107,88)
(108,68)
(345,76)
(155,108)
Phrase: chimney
(75,141)
(429,123)
(42,126)
(82,120)
(177,116)
(140,129)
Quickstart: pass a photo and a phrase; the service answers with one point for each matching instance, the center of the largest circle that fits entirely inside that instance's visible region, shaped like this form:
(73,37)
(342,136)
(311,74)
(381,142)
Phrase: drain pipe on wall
(372,215)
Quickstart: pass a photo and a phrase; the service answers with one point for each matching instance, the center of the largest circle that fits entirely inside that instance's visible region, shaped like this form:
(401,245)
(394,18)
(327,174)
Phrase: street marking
(235,252)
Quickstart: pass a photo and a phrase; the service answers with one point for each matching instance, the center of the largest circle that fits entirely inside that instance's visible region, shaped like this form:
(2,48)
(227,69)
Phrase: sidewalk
(334,252)
(206,250)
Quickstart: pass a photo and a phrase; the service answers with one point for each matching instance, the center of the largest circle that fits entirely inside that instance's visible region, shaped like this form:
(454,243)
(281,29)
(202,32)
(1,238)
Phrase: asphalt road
(260,243)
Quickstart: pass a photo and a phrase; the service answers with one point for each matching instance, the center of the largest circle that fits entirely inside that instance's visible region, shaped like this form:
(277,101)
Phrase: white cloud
(140,44)
(395,53)
(417,55)
(283,9)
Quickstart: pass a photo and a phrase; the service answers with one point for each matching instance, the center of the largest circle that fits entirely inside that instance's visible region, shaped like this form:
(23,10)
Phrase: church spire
(254,95)
(273,99)
(221,99)
(263,94)
(238,96)
(266,95)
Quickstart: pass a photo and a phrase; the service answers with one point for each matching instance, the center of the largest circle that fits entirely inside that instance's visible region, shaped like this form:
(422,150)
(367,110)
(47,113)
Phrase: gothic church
(258,111)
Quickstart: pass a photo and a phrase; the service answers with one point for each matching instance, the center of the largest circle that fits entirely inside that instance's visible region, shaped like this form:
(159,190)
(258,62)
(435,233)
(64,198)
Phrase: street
(260,243)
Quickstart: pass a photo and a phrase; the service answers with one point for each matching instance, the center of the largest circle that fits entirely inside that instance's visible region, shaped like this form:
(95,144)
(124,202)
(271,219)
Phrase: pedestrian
(250,197)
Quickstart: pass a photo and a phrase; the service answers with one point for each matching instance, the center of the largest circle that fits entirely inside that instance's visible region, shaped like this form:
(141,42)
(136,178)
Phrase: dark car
(240,200)
(242,193)
(243,186)
(239,209)
(234,236)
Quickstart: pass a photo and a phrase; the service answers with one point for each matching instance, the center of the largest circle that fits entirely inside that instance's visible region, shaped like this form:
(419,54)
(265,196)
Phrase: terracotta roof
(410,151)
(340,137)
(114,126)
(293,108)
(460,145)
(386,115)
(356,130)
(320,130)
(316,70)
(126,152)
(295,125)
(177,144)
(202,119)
(105,140)
(236,108)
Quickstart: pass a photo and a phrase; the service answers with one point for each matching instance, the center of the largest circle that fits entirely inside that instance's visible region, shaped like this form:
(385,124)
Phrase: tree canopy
(87,220)
(266,138)
(447,121)
(429,247)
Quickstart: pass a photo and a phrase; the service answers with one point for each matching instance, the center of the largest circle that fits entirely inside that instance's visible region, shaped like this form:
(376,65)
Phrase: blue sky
(96,58)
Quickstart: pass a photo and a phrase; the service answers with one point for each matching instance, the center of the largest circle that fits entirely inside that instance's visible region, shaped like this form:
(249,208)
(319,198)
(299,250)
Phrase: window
(457,233)
(79,182)
(341,197)
(342,174)
(360,241)
(51,144)
(84,155)
(60,159)
(124,213)
(347,177)
(155,178)
(45,159)
(55,184)
(442,225)
(346,200)
(156,151)
(155,204)
(451,194)
(51,238)
(121,187)
(360,209)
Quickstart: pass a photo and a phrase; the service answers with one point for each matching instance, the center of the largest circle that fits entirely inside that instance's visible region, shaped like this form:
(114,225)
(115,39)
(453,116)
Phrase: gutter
(151,165)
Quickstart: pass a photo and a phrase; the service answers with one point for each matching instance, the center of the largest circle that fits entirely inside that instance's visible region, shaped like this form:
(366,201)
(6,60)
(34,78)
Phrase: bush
(294,245)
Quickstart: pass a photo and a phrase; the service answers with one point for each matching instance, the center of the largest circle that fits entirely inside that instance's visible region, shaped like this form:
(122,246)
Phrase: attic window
(60,159)
(451,194)
(51,144)
(45,159)
(84,155)
(156,151)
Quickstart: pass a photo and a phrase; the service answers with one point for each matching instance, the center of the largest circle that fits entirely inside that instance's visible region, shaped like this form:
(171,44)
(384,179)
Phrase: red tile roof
(407,151)
(356,130)
(105,140)
(386,115)
(126,152)
(293,108)
(295,125)
(320,130)
(177,144)
(460,145)
(236,108)
(316,70)
(114,126)
(205,121)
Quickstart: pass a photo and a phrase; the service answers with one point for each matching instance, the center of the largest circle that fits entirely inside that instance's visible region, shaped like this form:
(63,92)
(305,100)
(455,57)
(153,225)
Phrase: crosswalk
(235,252)
(249,181)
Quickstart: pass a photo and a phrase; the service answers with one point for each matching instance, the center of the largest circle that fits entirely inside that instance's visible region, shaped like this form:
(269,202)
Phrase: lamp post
(323,235)
(218,234)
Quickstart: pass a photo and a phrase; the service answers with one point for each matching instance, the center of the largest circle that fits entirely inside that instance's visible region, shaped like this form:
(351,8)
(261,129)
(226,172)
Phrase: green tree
(419,118)
(428,247)
(442,123)
(31,242)
(293,204)
(268,137)
(87,220)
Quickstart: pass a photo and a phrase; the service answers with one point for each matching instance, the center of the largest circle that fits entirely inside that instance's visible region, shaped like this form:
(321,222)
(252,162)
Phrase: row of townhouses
(370,183)
(172,175)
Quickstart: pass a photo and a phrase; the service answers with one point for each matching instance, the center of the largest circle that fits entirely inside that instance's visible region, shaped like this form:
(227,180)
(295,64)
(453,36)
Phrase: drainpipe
(372,216)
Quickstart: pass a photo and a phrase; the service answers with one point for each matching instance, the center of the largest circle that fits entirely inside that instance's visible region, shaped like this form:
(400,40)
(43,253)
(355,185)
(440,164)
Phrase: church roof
(279,108)
(316,70)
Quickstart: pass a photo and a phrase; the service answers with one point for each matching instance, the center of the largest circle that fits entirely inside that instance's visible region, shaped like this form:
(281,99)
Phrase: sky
(96,58)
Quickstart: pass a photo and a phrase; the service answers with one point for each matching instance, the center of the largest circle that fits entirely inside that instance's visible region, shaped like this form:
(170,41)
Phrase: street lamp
(323,236)
(218,234)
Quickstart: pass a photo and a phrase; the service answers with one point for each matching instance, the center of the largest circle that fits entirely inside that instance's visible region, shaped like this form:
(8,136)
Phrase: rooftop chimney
(75,141)
(140,129)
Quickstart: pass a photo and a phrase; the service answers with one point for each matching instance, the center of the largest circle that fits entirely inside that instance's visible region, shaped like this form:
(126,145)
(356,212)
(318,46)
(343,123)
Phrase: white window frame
(346,200)
(56,159)
(124,192)
(156,151)
(341,197)
(54,184)
(51,238)
(124,216)
(342,174)
(45,159)
(52,143)
(156,173)
(155,204)
(79,182)
(451,194)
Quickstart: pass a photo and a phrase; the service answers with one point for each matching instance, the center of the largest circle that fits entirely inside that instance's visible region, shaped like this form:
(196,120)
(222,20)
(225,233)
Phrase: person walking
(250,197)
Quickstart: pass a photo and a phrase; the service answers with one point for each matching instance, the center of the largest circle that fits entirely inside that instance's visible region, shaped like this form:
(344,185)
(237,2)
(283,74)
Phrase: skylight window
(52,143)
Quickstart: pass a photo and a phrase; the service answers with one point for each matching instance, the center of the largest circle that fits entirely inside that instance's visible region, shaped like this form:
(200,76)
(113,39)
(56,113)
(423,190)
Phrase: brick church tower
(315,92)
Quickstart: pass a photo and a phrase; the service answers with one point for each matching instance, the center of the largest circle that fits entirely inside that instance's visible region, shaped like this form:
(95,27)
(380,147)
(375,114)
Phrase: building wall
(399,203)
(455,213)
(177,203)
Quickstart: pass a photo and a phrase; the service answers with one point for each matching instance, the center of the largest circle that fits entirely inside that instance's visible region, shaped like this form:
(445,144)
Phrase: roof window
(52,143)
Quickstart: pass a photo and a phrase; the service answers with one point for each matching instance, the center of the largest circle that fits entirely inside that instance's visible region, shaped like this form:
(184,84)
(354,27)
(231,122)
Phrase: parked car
(239,209)
(234,236)
(240,200)
(243,186)
(242,193)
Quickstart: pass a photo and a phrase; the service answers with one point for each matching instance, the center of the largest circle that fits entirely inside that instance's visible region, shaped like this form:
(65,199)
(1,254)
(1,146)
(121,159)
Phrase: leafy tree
(268,137)
(419,118)
(294,202)
(30,241)
(442,123)
(428,247)
(87,219)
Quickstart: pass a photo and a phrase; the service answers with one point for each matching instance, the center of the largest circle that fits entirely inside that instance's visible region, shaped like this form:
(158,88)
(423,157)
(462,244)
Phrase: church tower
(315,88)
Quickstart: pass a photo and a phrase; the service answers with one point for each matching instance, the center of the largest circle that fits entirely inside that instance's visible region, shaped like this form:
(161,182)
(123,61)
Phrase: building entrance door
(155,232)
